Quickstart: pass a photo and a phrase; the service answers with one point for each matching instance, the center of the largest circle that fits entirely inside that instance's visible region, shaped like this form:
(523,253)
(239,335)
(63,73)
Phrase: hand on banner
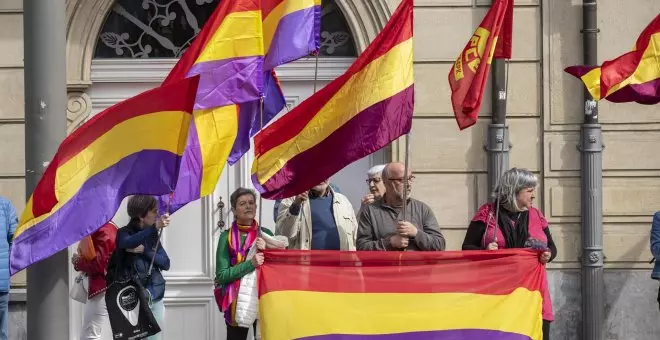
(137,250)
(399,242)
(163,221)
(406,229)
(261,244)
(368,199)
(258,260)
(492,246)
(75,258)
(544,257)
(301,198)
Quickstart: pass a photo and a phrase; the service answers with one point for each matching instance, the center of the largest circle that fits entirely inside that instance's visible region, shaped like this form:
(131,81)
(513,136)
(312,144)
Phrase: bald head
(394,179)
(394,170)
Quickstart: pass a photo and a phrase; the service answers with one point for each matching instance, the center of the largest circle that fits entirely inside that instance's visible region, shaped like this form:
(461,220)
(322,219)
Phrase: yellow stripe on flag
(235,38)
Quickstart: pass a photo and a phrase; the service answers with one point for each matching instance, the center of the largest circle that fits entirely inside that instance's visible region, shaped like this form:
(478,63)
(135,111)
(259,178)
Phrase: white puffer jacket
(247,301)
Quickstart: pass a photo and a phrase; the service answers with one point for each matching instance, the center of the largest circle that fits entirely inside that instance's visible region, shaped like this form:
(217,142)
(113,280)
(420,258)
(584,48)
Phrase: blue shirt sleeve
(655,236)
(127,241)
(13,222)
(161,260)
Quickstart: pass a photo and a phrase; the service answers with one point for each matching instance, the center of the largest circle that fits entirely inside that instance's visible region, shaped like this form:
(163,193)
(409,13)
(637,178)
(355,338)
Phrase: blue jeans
(158,309)
(4,314)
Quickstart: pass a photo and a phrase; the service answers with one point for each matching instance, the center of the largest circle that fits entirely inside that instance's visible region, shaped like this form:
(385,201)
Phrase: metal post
(591,148)
(497,144)
(44,25)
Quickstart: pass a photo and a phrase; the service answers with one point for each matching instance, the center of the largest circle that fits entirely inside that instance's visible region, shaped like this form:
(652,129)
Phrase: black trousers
(546,330)
(239,333)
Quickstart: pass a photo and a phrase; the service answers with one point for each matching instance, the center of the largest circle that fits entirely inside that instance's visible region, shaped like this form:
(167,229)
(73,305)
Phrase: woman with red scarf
(233,247)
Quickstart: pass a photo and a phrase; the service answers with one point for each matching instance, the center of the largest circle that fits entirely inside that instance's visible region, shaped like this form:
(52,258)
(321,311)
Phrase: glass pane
(165,28)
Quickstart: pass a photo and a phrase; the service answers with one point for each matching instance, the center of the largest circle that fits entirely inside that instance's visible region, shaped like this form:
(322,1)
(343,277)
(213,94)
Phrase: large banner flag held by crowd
(291,31)
(228,55)
(134,147)
(326,295)
(468,76)
(632,77)
(358,113)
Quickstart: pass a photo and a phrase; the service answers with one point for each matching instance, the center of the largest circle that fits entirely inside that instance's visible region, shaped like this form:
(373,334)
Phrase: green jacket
(224,272)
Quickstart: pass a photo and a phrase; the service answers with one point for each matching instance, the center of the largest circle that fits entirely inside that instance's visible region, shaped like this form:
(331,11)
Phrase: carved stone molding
(84,21)
(365,18)
(78,108)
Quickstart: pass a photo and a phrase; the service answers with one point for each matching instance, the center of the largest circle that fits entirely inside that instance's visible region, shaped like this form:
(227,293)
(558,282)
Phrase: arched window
(165,28)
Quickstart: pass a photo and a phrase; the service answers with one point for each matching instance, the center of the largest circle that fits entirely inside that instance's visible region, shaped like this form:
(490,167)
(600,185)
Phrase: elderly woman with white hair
(375,184)
(518,225)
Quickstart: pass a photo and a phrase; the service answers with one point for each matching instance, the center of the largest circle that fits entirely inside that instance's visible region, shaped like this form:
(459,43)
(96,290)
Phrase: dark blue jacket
(132,264)
(8,222)
(655,245)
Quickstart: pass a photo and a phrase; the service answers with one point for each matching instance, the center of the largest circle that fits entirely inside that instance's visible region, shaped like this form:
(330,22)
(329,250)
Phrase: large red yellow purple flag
(326,295)
(134,147)
(228,55)
(632,77)
(467,78)
(355,115)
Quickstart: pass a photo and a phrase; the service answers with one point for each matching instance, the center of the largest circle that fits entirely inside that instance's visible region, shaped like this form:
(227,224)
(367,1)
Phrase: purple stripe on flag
(297,35)
(228,81)
(451,334)
(364,134)
(190,175)
(579,70)
(95,204)
(249,121)
(646,93)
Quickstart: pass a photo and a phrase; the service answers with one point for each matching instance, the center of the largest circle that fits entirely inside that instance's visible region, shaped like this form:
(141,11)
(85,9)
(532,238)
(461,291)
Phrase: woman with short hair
(137,242)
(375,184)
(518,225)
(231,263)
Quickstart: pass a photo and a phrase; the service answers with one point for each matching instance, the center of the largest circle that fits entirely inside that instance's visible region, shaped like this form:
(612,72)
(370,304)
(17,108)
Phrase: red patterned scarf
(237,253)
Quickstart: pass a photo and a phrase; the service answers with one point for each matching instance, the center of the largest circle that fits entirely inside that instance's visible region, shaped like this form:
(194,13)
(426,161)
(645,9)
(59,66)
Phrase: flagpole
(160,233)
(261,126)
(406,184)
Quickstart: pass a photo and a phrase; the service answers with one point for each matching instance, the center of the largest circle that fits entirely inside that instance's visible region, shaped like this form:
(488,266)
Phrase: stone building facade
(545,109)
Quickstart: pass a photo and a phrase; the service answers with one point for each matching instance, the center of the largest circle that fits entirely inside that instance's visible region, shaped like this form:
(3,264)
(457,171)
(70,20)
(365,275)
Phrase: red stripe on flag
(479,272)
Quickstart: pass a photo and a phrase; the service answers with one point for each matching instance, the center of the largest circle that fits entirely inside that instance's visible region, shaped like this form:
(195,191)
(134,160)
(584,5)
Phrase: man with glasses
(382,225)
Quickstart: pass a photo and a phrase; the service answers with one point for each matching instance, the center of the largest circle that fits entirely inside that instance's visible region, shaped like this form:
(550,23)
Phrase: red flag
(503,47)
(467,78)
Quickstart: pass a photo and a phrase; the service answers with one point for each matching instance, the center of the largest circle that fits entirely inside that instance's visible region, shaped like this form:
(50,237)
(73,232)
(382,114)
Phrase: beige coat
(298,229)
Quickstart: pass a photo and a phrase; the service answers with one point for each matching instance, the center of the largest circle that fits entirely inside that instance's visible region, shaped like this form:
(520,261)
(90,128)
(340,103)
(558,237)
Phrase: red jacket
(104,244)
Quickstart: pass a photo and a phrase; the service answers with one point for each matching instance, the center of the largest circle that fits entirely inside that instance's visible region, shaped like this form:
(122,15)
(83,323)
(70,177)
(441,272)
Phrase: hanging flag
(134,147)
(632,77)
(228,55)
(445,295)
(468,76)
(358,113)
(291,31)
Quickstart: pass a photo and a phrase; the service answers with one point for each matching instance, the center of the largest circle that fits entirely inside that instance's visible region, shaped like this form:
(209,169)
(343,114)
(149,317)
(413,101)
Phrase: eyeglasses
(400,180)
(375,180)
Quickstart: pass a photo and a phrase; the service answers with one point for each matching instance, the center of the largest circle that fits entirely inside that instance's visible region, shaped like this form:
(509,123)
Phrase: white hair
(511,183)
(376,170)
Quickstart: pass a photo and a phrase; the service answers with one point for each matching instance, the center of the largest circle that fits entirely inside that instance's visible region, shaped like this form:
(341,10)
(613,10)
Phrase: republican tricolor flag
(632,77)
(134,147)
(358,113)
(331,295)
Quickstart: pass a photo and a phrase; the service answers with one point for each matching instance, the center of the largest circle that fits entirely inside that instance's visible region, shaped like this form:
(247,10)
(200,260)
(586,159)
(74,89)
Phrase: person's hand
(258,260)
(301,198)
(544,257)
(75,258)
(137,250)
(406,229)
(492,246)
(368,199)
(261,244)
(399,242)
(163,221)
